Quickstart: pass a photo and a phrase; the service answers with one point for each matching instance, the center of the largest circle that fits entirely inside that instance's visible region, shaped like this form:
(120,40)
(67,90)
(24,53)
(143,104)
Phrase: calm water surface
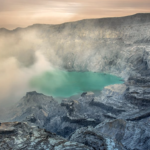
(60,83)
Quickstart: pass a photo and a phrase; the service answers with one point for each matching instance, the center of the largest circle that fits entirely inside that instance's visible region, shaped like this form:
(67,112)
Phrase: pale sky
(22,13)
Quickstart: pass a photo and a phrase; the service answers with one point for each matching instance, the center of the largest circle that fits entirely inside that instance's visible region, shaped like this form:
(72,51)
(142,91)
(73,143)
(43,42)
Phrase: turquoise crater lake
(60,83)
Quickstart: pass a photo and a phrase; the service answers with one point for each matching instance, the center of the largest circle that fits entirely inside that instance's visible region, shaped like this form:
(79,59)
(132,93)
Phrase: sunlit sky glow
(22,13)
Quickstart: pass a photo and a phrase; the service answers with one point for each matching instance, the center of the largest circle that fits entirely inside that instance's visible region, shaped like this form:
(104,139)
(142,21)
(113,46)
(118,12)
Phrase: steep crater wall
(120,46)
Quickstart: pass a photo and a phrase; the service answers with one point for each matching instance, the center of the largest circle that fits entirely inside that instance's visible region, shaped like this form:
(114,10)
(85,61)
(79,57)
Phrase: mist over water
(14,78)
(17,79)
(28,62)
(60,83)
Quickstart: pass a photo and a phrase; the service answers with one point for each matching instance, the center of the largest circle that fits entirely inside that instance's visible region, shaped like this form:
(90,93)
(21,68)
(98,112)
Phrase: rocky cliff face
(114,45)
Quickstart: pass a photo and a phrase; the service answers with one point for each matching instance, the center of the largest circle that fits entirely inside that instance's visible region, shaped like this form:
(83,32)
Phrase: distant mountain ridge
(138,16)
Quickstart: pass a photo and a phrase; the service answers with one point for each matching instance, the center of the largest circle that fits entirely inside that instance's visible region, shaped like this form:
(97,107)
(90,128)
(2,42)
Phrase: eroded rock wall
(114,45)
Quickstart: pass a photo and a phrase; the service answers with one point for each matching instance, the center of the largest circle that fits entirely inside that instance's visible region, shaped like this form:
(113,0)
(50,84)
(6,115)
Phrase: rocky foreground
(117,119)
(19,136)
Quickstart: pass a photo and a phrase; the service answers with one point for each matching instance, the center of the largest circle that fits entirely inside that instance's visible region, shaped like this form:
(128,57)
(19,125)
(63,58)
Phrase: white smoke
(14,78)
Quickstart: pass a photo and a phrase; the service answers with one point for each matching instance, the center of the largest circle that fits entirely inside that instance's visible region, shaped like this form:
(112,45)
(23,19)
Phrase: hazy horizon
(15,13)
(67,21)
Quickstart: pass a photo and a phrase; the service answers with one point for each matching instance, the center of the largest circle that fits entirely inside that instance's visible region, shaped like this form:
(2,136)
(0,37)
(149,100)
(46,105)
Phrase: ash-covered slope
(115,45)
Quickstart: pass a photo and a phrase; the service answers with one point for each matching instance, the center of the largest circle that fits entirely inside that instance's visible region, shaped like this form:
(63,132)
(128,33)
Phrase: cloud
(14,13)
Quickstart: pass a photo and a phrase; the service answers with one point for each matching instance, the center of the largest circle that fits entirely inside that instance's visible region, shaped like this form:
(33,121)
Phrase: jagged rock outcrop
(20,136)
(70,115)
(38,109)
(90,137)
(45,112)
(138,91)
(132,135)
(117,134)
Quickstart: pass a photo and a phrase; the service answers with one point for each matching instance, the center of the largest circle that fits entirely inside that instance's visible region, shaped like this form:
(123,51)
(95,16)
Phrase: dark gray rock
(90,137)
(132,135)
(138,91)
(19,136)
